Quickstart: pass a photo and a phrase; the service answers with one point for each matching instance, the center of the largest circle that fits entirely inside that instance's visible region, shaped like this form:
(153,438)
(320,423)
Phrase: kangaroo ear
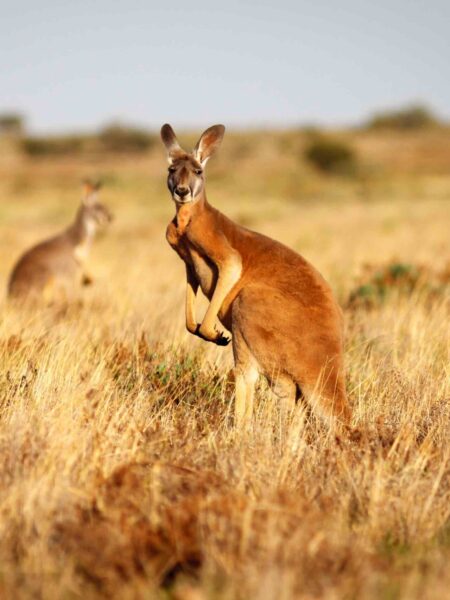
(170,141)
(90,189)
(208,143)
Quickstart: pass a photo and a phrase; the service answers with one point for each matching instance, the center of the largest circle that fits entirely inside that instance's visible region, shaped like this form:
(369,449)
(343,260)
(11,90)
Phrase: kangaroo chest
(205,271)
(81,252)
(82,249)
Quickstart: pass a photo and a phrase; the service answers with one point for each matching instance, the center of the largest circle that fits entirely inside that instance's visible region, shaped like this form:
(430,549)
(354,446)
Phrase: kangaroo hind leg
(246,373)
(285,389)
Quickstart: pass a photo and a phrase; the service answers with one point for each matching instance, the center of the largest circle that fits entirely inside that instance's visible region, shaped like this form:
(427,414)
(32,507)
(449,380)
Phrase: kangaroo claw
(217,337)
(222,340)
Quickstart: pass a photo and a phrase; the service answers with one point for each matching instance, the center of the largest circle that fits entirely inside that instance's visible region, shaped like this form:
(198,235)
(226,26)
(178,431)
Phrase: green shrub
(411,117)
(121,138)
(331,156)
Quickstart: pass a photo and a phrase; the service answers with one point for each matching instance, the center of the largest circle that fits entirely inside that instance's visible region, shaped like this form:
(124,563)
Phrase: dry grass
(120,472)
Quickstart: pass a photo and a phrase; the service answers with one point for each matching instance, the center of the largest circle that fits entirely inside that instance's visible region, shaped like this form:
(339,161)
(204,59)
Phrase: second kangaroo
(284,320)
(54,268)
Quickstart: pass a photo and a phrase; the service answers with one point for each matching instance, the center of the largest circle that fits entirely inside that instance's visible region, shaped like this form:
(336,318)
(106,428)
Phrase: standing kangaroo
(284,320)
(55,267)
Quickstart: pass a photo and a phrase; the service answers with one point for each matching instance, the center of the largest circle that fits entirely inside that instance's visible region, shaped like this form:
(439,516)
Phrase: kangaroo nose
(182,191)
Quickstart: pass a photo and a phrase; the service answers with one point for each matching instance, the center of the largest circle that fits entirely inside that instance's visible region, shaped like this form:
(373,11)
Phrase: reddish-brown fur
(282,314)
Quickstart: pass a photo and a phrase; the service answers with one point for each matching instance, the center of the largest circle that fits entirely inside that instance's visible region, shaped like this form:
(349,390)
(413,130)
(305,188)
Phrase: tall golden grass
(121,474)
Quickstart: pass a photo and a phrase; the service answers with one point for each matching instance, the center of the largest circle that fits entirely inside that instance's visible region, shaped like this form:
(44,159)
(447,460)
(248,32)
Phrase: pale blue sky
(80,64)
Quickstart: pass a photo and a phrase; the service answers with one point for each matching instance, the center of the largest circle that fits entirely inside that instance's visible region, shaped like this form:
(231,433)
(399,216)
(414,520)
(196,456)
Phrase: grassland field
(121,474)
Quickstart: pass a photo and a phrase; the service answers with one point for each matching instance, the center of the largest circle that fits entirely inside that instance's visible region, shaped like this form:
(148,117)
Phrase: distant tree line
(329,155)
(412,117)
(335,156)
(115,138)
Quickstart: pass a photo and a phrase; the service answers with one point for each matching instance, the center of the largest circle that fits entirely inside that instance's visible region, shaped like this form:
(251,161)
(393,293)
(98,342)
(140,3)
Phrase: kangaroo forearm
(229,275)
(191,294)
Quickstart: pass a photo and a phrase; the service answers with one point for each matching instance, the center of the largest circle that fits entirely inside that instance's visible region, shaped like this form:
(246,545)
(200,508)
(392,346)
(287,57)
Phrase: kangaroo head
(95,215)
(186,178)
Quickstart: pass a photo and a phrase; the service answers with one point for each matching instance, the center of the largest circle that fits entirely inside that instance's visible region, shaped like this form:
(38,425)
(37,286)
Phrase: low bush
(411,117)
(12,123)
(331,156)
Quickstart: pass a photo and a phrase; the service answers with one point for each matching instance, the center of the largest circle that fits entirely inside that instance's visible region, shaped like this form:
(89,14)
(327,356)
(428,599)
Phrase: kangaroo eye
(198,171)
